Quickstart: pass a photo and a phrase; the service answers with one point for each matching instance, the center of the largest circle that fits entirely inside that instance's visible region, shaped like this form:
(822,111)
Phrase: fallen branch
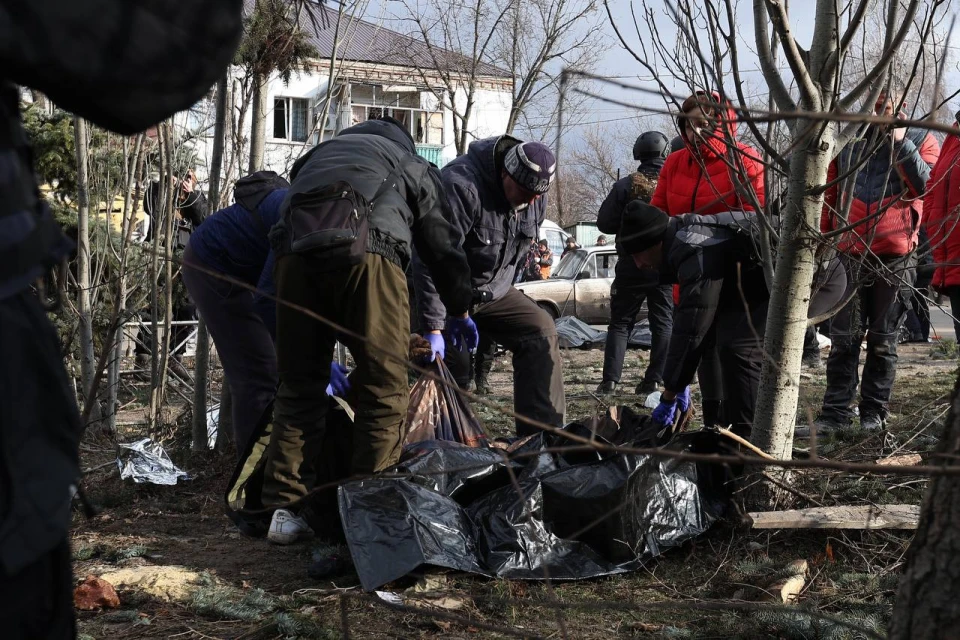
(891,516)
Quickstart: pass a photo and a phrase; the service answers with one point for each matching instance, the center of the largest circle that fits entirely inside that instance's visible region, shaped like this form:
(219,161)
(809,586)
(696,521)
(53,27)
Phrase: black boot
(607,388)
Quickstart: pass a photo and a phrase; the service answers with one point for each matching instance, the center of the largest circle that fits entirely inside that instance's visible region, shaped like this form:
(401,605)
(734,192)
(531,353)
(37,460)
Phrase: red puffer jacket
(701,179)
(941,206)
(884,193)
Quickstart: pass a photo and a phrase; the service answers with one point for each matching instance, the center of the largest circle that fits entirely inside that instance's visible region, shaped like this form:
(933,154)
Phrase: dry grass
(268,595)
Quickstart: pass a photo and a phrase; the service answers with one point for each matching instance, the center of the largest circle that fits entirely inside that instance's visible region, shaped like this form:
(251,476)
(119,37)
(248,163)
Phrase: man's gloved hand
(665,411)
(437,345)
(463,332)
(683,400)
(339,385)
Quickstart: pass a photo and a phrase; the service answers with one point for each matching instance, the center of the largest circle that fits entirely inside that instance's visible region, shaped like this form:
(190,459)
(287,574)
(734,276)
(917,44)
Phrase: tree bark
(225,425)
(927,604)
(88,362)
(258,124)
(779,390)
(202,360)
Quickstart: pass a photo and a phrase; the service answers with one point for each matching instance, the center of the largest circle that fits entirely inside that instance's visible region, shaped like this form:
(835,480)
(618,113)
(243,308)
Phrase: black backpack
(250,191)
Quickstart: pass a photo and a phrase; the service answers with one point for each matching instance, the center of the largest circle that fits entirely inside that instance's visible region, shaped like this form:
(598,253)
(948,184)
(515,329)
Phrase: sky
(619,64)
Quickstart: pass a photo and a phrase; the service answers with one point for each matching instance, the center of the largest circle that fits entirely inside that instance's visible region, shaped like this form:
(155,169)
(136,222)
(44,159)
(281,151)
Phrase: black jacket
(124,66)
(413,215)
(701,254)
(610,217)
(193,208)
(494,236)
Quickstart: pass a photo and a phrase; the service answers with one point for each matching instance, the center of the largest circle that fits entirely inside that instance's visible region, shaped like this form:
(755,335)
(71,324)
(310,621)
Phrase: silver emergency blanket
(576,334)
(213,425)
(146,461)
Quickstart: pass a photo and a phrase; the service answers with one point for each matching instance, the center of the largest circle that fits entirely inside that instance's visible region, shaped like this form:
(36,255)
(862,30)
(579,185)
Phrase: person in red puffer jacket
(882,181)
(712,173)
(941,208)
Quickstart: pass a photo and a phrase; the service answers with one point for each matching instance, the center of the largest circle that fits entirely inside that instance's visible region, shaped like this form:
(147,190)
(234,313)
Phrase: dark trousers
(37,602)
(369,299)
(243,343)
(483,360)
(710,376)
(530,334)
(738,335)
(918,315)
(954,294)
(625,303)
(878,310)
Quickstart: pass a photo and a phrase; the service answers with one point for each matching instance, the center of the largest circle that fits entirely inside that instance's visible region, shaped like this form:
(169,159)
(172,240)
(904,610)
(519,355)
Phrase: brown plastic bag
(438,412)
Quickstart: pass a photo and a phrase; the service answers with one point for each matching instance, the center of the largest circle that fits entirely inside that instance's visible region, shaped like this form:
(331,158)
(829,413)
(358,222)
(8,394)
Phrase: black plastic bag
(579,514)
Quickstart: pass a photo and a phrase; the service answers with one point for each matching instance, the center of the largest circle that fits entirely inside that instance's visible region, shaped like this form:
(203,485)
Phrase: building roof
(363,41)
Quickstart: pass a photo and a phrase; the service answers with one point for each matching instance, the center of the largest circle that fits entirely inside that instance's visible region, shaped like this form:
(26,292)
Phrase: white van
(556,238)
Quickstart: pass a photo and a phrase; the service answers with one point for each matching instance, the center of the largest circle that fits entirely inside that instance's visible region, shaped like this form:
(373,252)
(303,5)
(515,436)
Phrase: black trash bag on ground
(438,412)
(576,334)
(582,513)
(640,336)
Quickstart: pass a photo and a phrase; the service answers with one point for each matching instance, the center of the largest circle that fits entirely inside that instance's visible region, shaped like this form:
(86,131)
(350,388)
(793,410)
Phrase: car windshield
(570,266)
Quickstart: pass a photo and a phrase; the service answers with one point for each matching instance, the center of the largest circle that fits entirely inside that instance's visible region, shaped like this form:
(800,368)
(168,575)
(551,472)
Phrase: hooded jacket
(885,196)
(610,216)
(941,207)
(699,178)
(494,236)
(415,214)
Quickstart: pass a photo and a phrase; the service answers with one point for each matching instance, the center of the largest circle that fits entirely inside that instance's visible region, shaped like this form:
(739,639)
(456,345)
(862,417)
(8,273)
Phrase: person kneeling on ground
(356,204)
(723,300)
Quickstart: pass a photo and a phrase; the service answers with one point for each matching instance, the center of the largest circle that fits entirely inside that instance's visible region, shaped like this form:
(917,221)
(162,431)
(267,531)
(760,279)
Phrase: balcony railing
(431,152)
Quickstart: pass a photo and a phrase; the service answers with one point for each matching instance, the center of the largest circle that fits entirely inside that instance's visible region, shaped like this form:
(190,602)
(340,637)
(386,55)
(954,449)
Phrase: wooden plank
(890,516)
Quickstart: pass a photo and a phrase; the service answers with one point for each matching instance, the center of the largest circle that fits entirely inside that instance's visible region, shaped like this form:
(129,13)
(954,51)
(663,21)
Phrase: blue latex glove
(683,400)
(437,345)
(463,333)
(665,411)
(339,385)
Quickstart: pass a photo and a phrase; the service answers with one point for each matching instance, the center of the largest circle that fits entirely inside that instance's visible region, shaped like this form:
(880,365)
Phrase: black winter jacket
(414,214)
(494,236)
(610,217)
(701,254)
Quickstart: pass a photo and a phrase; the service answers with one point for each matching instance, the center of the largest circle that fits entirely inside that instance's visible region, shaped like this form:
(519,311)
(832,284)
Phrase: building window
(291,119)
(426,127)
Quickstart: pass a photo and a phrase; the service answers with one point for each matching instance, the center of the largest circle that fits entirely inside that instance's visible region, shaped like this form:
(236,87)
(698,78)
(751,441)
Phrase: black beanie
(642,227)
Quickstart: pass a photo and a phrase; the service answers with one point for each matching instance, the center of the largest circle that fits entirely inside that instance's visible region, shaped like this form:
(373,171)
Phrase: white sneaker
(286,528)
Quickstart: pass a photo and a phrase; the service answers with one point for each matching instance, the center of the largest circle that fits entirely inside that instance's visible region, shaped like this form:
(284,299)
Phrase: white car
(579,286)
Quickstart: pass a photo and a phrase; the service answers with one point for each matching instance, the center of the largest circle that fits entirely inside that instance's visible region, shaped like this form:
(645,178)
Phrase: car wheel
(550,309)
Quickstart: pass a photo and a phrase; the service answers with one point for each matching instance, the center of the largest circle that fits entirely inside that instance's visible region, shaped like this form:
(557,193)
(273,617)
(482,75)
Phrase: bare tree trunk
(258,125)
(163,221)
(790,299)
(131,164)
(202,361)
(225,426)
(88,361)
(927,604)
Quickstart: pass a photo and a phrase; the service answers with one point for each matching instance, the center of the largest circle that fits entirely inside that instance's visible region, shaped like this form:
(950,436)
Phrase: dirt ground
(251,589)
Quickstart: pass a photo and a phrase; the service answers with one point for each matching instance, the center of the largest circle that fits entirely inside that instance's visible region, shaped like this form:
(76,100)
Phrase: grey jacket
(494,236)
(415,214)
